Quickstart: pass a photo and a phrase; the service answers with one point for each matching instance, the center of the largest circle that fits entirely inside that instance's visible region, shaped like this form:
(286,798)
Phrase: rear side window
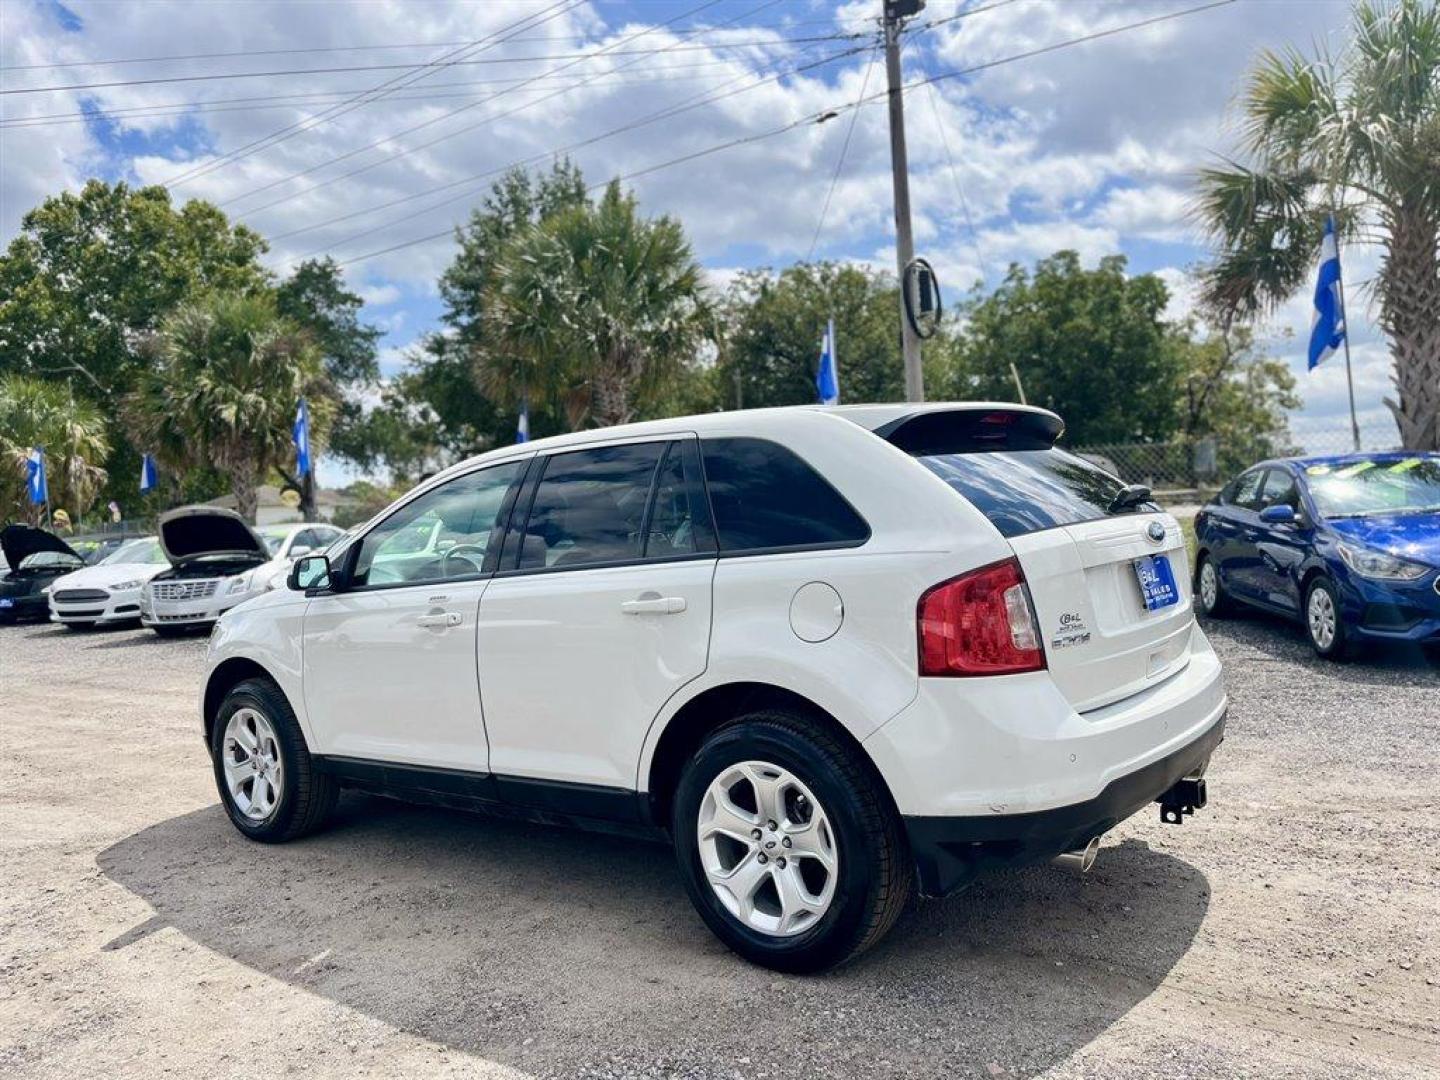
(1024,491)
(764,497)
(589,507)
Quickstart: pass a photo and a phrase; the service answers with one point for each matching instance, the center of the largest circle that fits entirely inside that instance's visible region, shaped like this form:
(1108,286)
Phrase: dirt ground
(1291,929)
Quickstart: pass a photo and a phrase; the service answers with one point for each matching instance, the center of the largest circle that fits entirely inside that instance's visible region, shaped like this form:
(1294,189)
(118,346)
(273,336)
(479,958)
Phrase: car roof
(869,416)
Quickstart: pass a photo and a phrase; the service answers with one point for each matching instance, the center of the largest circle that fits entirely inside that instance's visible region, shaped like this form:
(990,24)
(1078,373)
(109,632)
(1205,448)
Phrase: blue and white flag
(522,427)
(827,379)
(149,476)
(301,434)
(35,484)
(1327,326)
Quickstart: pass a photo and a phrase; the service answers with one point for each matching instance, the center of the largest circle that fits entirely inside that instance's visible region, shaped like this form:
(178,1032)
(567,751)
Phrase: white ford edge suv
(837,655)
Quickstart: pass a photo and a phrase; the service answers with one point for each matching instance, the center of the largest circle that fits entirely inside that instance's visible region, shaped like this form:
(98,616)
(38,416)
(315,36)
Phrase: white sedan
(108,593)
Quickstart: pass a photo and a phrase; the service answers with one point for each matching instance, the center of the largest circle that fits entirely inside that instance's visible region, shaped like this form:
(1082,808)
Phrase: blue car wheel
(1210,592)
(1324,623)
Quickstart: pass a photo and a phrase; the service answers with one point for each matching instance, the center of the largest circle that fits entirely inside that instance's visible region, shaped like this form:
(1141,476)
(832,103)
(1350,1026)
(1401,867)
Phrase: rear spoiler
(971,430)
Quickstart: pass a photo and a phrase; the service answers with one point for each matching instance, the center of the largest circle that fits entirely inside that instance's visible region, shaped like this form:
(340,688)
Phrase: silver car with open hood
(213,555)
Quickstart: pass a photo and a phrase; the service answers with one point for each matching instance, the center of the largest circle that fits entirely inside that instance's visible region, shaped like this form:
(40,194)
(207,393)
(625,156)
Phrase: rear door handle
(439,618)
(656,605)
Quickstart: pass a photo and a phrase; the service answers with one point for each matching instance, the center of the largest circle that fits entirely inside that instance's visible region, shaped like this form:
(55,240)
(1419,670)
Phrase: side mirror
(309,572)
(1278,514)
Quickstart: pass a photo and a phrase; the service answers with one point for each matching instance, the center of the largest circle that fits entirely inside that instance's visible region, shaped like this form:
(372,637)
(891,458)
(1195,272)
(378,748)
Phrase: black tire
(875,878)
(1223,605)
(306,797)
(1339,648)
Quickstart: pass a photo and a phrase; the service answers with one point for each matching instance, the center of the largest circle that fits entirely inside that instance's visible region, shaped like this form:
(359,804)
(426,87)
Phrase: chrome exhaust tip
(1080,860)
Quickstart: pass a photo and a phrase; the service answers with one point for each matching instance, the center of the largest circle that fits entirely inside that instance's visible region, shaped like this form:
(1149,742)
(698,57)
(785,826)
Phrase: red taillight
(979,624)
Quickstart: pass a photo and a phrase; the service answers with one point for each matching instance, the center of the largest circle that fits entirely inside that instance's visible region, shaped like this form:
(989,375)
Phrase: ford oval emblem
(1156,532)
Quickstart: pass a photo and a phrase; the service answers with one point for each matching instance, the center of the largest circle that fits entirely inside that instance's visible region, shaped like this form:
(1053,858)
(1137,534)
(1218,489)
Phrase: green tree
(91,274)
(222,391)
(774,323)
(1090,344)
(315,299)
(1235,393)
(71,430)
(596,310)
(1358,135)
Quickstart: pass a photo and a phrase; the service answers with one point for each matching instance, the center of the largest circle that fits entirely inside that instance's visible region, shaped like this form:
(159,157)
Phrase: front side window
(1279,490)
(1246,492)
(765,497)
(442,535)
(589,507)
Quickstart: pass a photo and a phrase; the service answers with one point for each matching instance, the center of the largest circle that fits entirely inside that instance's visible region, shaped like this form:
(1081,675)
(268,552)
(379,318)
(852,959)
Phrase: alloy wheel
(1321,614)
(254,771)
(767,848)
(1209,585)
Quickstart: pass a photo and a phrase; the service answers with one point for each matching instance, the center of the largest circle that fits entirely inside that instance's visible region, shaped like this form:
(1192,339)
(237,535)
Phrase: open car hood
(192,531)
(21,541)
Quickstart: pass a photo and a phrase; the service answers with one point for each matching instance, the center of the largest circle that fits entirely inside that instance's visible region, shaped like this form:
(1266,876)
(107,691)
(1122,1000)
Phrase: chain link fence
(1205,464)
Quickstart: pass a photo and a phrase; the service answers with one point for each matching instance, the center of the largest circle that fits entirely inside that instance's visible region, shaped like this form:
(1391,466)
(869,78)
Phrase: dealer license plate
(1157,582)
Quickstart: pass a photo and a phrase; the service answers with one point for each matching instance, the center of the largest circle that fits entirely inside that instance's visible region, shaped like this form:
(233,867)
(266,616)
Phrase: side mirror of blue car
(1279,514)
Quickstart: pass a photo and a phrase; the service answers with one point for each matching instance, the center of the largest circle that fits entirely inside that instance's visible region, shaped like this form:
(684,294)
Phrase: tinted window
(589,507)
(1023,491)
(678,527)
(1245,491)
(1279,490)
(443,534)
(764,496)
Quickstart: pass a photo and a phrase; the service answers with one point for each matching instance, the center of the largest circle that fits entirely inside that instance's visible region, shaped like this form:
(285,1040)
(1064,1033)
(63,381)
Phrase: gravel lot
(1292,929)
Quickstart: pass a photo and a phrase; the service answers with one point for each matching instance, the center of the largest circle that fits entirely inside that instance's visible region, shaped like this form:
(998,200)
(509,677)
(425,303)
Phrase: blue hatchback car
(1348,545)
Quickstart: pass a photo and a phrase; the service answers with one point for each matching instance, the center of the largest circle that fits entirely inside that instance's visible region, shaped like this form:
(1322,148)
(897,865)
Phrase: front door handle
(439,618)
(654,605)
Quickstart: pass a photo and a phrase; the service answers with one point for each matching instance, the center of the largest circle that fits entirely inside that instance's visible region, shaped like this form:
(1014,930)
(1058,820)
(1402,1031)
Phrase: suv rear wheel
(267,782)
(788,847)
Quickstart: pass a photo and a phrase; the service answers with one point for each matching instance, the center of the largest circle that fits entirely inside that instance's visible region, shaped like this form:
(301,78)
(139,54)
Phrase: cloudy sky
(1091,146)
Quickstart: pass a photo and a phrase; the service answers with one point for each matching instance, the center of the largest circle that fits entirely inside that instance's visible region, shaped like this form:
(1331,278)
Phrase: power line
(315,49)
(828,113)
(840,163)
(389,86)
(955,179)
(213,76)
(277,101)
(685,105)
(448,115)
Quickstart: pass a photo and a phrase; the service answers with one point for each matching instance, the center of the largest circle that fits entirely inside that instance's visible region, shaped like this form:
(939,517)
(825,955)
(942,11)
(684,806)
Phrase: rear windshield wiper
(1129,497)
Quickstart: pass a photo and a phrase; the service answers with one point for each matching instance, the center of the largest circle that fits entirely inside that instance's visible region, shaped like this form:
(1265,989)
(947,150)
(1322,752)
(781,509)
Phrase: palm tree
(1360,137)
(223,390)
(597,310)
(71,430)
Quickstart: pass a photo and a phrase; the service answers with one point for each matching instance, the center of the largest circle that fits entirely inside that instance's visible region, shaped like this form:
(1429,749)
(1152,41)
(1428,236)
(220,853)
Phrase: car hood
(19,542)
(108,576)
(1407,536)
(192,531)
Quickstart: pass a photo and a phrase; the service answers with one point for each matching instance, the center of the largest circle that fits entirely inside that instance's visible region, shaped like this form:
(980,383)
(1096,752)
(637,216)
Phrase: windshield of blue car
(1023,491)
(1406,485)
(146,550)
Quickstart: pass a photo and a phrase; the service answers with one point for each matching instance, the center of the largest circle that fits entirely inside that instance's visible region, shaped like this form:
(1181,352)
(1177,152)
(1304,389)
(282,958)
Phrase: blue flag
(301,434)
(149,476)
(522,428)
(35,483)
(827,379)
(1327,326)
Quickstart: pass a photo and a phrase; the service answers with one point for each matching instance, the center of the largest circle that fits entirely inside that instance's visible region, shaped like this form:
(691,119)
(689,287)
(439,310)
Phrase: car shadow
(559,951)
(1282,640)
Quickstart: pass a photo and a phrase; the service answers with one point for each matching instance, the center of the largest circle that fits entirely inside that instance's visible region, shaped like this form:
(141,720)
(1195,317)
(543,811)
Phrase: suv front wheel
(267,781)
(787,846)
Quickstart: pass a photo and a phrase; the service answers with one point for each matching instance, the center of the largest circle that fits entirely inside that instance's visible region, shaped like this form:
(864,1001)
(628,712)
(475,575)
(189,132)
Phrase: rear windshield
(1024,491)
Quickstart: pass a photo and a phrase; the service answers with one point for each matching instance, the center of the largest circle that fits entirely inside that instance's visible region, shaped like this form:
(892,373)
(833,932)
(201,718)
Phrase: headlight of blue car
(1379,566)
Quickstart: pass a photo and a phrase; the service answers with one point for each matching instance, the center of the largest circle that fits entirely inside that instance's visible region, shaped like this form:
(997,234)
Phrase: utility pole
(894,12)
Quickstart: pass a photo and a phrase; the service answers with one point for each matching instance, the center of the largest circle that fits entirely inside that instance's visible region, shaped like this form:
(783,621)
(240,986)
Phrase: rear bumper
(951,851)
